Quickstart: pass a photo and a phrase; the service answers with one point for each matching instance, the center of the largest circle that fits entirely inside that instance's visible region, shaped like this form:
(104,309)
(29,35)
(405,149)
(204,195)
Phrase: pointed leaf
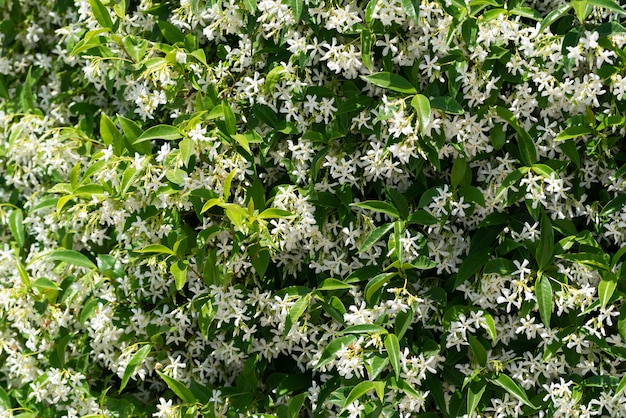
(101,14)
(378,206)
(553,16)
(392,345)
(606,288)
(608,4)
(421,104)
(375,236)
(71,257)
(16,224)
(166,132)
(474,394)
(508,384)
(360,390)
(179,388)
(179,271)
(135,361)
(156,248)
(543,293)
(391,81)
(328,354)
(412,9)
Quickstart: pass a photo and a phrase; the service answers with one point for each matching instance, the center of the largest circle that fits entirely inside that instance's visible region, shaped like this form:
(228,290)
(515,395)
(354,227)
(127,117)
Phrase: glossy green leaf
(101,14)
(543,293)
(478,350)
(508,384)
(166,132)
(333,284)
(391,81)
(403,322)
(475,392)
(378,206)
(71,257)
(526,144)
(412,10)
(421,104)
(135,361)
(607,4)
(459,168)
(157,249)
(374,285)
(364,329)
(361,389)
(606,288)
(186,147)
(447,104)
(366,48)
(328,354)
(553,16)
(16,225)
(375,236)
(179,388)
(421,217)
(179,271)
(545,249)
(274,213)
(573,132)
(392,345)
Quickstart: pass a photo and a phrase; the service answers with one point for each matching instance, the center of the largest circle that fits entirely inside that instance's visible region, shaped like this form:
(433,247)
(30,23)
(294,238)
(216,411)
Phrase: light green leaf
(296,311)
(391,81)
(328,354)
(506,383)
(474,394)
(607,4)
(606,288)
(374,285)
(157,249)
(620,388)
(573,132)
(179,271)
(361,389)
(179,388)
(186,147)
(543,293)
(71,257)
(421,104)
(166,132)
(16,224)
(101,14)
(375,236)
(274,213)
(378,206)
(365,329)
(412,9)
(553,16)
(135,361)
(392,345)
(333,284)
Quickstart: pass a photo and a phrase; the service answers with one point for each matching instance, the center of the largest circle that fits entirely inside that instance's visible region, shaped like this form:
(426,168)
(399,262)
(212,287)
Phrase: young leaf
(392,345)
(508,384)
(328,354)
(101,14)
(421,104)
(474,394)
(135,361)
(273,213)
(156,248)
(71,257)
(375,236)
(543,292)
(391,81)
(16,224)
(378,206)
(179,271)
(178,388)
(166,132)
(296,311)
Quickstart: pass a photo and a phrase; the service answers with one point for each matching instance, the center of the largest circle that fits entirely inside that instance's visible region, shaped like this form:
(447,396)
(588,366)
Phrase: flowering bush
(300,207)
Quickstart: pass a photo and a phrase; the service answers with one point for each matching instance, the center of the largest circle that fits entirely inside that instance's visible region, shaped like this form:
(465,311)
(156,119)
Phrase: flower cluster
(311,207)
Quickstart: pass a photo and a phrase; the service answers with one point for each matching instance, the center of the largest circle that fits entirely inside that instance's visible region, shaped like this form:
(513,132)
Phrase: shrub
(283,208)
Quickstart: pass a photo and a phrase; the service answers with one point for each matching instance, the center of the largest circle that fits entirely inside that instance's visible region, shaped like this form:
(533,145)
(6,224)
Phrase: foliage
(285,208)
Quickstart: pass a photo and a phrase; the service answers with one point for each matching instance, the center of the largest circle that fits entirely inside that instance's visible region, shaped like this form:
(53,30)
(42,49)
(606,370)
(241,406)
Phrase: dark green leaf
(375,236)
(101,14)
(543,293)
(391,81)
(506,383)
(135,361)
(328,354)
(378,206)
(179,388)
(392,345)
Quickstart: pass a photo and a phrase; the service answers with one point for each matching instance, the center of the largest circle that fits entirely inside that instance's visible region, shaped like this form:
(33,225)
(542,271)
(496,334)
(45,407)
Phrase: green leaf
(480,354)
(543,293)
(412,9)
(178,388)
(229,119)
(366,48)
(421,104)
(375,236)
(135,361)
(391,81)
(506,383)
(471,265)
(403,322)
(392,345)
(459,168)
(421,217)
(365,329)
(16,224)
(179,271)
(490,326)
(328,354)
(374,285)
(296,311)
(378,206)
(166,132)
(44,284)
(545,249)
(101,14)
(448,105)
(186,147)
(553,16)
(295,405)
(157,249)
(170,32)
(614,205)
(361,389)
(274,213)
(474,394)
(606,288)
(71,257)
(110,135)
(620,388)
(573,132)
(607,4)
(333,284)
(525,143)
(296,9)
